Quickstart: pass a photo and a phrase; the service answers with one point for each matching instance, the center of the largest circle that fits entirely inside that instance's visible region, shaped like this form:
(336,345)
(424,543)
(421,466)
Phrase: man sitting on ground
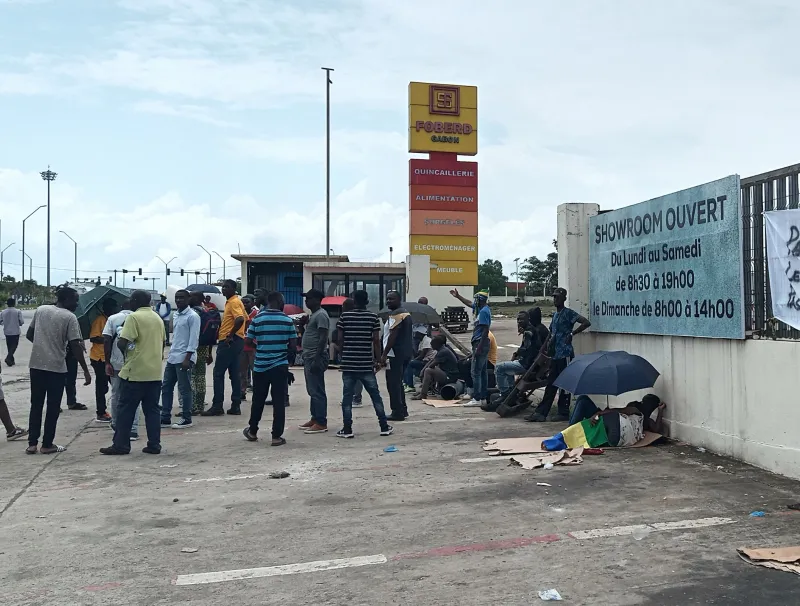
(522,359)
(443,369)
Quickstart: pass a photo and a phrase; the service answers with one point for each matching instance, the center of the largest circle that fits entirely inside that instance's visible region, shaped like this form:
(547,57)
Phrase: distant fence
(775,190)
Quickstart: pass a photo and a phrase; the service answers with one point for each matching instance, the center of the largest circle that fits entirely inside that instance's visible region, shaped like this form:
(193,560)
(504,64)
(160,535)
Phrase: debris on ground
(278,475)
(794,506)
(543,484)
(550,595)
(167,466)
(786,559)
(701,449)
(547,461)
(175,500)
(391,448)
(757,514)
(189,550)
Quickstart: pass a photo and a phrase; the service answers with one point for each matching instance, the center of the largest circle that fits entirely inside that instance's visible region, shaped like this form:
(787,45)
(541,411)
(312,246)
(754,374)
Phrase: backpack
(210,321)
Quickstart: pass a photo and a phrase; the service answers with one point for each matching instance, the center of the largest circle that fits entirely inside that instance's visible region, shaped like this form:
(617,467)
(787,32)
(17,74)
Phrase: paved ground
(426,525)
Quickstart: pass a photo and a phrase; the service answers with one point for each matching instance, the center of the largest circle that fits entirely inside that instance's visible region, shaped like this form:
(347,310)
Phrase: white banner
(783,258)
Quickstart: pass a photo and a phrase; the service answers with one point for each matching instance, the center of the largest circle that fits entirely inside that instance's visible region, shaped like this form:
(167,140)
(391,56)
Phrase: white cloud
(197,113)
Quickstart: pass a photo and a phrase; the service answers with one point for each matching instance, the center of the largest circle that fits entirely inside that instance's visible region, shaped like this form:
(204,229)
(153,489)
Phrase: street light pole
(223,263)
(1,259)
(328,83)
(23,239)
(76,253)
(24,254)
(209,263)
(166,269)
(48,175)
(517,274)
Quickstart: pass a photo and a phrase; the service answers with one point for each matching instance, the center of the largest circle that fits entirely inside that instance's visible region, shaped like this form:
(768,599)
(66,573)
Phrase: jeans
(114,380)
(370,382)
(277,380)
(245,368)
(12,342)
(100,386)
(480,374)
(394,385)
(228,361)
(505,372)
(175,373)
(413,370)
(166,330)
(72,377)
(584,409)
(432,375)
(556,367)
(315,386)
(132,394)
(49,386)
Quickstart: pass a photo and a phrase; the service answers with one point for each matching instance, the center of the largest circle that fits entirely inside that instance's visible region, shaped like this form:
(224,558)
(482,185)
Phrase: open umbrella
(90,304)
(420,313)
(206,288)
(607,373)
(292,310)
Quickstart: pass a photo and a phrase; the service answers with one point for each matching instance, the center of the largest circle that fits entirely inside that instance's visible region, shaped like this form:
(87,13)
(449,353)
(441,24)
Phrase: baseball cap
(314,294)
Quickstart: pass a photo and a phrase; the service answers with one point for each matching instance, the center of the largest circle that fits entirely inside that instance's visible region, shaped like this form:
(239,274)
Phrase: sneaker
(394,417)
(104,418)
(345,432)
(134,437)
(250,437)
(473,403)
(166,423)
(212,412)
(77,406)
(408,389)
(316,428)
(182,424)
(358,403)
(112,451)
(306,425)
(387,431)
(151,450)
(244,396)
(561,418)
(234,410)
(536,418)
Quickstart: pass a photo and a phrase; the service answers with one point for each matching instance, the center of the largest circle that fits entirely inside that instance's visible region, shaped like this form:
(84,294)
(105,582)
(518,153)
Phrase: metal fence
(775,190)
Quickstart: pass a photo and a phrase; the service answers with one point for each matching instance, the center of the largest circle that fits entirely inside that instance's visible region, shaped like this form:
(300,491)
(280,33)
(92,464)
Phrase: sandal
(278,442)
(16,434)
(32,449)
(55,449)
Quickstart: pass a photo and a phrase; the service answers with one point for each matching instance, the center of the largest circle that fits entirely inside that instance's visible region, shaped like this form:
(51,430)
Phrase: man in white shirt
(11,319)
(181,360)
(114,362)
(164,311)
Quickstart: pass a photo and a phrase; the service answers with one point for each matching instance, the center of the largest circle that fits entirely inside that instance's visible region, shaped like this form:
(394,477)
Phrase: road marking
(273,571)
(513,345)
(618,531)
(484,459)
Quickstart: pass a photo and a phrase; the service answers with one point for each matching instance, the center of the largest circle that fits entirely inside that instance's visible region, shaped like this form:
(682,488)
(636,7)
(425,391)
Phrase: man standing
(208,320)
(397,350)
(315,361)
(164,310)
(248,352)
(114,361)
(142,342)
(480,345)
(11,319)
(97,359)
(559,348)
(181,361)
(52,330)
(274,337)
(229,350)
(359,336)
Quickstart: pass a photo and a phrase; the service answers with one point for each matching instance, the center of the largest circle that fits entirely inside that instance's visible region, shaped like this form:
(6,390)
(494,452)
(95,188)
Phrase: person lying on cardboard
(591,427)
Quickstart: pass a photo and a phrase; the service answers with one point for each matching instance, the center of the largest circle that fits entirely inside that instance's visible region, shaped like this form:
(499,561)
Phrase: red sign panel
(440,197)
(442,172)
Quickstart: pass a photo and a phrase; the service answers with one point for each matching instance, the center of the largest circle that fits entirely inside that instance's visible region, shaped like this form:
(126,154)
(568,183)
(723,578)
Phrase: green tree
(541,273)
(491,278)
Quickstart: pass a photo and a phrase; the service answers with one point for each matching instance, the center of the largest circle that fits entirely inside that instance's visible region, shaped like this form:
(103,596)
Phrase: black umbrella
(206,288)
(607,373)
(90,304)
(420,313)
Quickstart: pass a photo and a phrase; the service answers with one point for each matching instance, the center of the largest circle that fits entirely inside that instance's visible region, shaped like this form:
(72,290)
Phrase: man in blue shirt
(273,335)
(164,310)
(558,347)
(479,368)
(181,361)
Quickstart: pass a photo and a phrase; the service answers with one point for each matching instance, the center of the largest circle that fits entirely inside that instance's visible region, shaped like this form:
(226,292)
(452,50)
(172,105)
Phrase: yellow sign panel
(442,118)
(454,273)
(445,248)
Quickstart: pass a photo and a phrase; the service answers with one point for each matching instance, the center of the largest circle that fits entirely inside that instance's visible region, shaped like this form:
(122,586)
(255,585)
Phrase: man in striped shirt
(359,335)
(273,335)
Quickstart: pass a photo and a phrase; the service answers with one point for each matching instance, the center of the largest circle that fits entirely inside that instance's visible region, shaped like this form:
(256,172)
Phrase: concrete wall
(732,397)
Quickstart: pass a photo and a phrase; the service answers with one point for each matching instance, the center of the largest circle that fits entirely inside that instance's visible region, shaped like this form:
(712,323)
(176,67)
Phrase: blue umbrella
(607,373)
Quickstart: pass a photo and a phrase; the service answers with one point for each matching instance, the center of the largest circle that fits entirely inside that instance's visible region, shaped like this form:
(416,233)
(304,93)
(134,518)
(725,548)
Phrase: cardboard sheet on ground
(562,457)
(442,403)
(786,559)
(511,446)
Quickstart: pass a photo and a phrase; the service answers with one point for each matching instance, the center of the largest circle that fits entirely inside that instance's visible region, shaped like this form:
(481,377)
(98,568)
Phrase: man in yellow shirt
(141,342)
(229,350)
(97,358)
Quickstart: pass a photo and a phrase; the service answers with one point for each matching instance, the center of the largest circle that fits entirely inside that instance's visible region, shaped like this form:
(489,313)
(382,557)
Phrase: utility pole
(224,277)
(166,269)
(209,263)
(328,83)
(48,175)
(1,259)
(76,253)
(391,250)
(517,274)
(23,240)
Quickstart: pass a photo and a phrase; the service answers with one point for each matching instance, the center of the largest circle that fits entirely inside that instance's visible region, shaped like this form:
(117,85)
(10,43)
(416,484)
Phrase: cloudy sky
(174,123)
